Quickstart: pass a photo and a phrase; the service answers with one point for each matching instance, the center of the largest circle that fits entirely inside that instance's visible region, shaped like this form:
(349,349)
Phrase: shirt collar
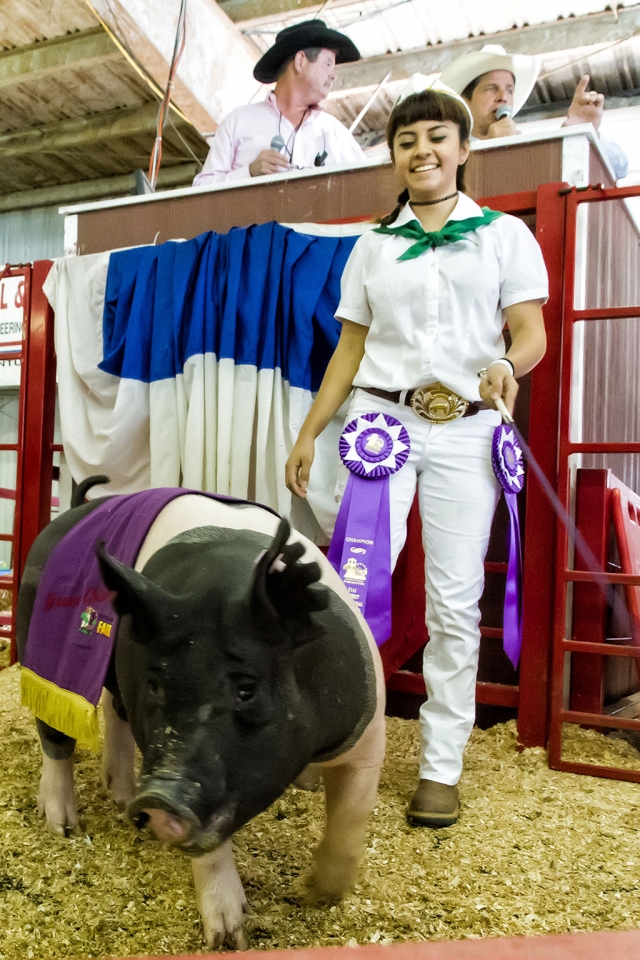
(271,101)
(464,208)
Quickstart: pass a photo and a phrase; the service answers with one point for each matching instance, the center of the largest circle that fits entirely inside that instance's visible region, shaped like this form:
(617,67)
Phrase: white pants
(450,464)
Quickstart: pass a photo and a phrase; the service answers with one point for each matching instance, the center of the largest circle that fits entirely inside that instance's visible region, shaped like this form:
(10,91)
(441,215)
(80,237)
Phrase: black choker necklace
(429,203)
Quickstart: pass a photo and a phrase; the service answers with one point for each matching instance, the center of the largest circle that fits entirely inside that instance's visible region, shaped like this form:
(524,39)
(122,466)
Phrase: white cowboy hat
(525,70)
(419,82)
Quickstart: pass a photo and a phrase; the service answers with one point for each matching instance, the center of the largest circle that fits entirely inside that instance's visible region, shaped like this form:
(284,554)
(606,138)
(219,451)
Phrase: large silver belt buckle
(438,404)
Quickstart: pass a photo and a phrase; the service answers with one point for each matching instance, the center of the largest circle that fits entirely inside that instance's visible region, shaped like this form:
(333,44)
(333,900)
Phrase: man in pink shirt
(288,130)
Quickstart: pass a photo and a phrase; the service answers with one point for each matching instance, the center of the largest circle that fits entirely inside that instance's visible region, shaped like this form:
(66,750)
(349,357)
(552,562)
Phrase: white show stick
(506,416)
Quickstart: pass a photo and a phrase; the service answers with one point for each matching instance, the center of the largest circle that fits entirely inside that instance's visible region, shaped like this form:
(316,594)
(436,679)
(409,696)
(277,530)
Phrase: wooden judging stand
(531,177)
(320,195)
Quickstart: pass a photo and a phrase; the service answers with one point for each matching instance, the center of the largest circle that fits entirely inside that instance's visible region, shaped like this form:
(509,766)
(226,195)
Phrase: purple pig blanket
(73,626)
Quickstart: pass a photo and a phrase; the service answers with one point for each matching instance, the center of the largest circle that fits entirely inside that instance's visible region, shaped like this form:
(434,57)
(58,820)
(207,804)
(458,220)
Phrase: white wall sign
(11,318)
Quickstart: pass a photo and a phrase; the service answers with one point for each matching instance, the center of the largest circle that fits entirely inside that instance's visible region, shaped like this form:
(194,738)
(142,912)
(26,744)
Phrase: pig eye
(246,690)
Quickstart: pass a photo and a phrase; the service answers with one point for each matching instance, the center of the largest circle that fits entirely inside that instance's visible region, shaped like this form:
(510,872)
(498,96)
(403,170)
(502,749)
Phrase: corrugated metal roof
(390,26)
(27,21)
(76,93)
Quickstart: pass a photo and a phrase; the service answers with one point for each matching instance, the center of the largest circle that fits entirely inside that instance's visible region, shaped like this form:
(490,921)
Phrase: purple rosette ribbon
(506,457)
(372,447)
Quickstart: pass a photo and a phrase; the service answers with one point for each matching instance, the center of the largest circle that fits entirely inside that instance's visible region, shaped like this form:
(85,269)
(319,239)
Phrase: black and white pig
(240,659)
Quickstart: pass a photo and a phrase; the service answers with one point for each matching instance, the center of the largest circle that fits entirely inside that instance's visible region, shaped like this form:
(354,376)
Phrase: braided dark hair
(427,105)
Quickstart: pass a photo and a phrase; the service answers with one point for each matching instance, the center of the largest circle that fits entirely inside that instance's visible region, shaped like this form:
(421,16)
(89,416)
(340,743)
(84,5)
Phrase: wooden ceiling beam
(180,175)
(241,10)
(569,34)
(67,134)
(40,61)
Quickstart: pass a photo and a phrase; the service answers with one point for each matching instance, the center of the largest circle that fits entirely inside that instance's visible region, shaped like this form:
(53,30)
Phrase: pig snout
(165,804)
(167,826)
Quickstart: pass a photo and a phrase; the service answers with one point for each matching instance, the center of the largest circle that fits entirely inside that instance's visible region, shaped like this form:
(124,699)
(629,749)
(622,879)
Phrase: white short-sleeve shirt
(439,315)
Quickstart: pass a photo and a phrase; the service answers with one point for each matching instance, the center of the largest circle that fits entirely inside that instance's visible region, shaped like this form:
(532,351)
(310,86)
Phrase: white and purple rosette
(373,447)
(506,457)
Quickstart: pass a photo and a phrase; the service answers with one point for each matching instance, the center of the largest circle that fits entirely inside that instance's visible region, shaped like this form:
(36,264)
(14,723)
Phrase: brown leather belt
(433,402)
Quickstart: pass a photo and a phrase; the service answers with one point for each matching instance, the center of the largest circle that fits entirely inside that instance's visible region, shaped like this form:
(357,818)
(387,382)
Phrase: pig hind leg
(220,898)
(118,754)
(56,798)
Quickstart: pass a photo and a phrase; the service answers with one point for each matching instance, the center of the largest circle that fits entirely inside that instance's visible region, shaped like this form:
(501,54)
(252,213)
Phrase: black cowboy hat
(301,36)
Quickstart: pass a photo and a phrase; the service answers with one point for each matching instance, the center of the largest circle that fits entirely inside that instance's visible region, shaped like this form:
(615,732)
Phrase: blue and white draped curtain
(194,363)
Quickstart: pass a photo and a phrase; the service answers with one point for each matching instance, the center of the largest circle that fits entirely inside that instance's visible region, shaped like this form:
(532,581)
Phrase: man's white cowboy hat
(525,70)
(418,83)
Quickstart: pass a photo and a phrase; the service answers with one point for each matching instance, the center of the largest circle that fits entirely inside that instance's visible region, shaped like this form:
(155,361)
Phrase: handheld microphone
(277,143)
(504,110)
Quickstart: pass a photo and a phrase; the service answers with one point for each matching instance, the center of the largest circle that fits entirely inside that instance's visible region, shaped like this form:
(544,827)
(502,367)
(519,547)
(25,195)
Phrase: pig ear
(286,590)
(134,593)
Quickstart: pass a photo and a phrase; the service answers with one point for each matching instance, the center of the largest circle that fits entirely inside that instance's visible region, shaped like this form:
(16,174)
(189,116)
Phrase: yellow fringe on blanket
(64,711)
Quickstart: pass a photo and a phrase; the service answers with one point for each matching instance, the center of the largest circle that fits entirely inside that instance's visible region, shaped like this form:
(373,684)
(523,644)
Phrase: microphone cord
(292,136)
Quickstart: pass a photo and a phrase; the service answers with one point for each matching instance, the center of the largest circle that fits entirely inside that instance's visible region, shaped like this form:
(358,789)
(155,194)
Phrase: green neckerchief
(452,231)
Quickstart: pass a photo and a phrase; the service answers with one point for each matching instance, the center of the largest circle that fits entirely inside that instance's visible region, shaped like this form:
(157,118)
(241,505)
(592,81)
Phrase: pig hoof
(225,927)
(330,881)
(56,800)
(61,819)
(309,780)
(120,785)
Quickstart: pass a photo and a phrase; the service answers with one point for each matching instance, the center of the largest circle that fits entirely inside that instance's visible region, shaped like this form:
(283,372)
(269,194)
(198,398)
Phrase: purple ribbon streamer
(506,457)
(360,549)
(364,513)
(512,617)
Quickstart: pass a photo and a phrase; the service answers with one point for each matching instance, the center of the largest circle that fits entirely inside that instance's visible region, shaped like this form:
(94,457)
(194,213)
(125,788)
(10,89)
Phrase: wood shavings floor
(535,851)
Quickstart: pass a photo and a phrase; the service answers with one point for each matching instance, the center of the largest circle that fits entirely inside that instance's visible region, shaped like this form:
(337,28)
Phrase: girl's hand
(298,466)
(499,383)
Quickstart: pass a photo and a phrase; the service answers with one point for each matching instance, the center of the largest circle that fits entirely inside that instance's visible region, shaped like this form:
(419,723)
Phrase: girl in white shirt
(436,317)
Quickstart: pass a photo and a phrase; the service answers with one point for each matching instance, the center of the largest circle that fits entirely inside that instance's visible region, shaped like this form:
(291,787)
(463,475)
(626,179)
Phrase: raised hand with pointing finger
(586,106)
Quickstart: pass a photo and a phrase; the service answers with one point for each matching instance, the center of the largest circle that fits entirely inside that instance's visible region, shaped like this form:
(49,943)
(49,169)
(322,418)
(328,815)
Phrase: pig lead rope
(581,544)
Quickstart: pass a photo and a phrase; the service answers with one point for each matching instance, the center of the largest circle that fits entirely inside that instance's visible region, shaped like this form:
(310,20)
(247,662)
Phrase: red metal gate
(565,645)
(36,413)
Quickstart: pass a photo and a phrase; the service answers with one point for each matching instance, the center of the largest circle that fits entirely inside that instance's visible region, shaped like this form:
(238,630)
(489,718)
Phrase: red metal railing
(36,412)
(17,350)
(563,647)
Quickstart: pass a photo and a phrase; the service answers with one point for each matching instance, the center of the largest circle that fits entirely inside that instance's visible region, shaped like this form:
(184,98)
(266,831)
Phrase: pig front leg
(56,798)
(220,898)
(117,755)
(350,794)
(351,788)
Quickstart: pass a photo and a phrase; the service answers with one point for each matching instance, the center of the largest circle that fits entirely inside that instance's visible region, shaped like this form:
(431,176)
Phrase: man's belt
(433,402)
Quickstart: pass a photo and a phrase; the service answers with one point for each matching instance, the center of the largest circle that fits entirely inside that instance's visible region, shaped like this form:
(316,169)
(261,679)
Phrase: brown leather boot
(433,805)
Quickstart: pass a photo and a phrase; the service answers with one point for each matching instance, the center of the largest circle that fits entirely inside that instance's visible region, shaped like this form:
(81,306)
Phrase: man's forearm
(209,177)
